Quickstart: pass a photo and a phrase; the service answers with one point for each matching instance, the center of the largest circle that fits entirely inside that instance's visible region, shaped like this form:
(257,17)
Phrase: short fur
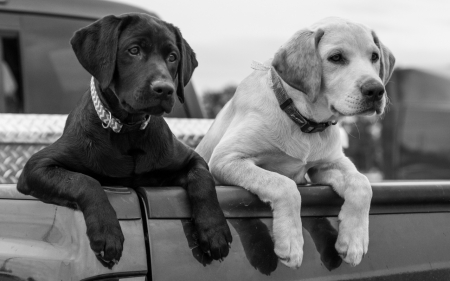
(71,171)
(254,144)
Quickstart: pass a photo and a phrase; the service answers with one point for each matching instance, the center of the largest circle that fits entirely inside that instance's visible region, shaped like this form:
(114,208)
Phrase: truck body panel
(409,228)
(48,242)
(402,247)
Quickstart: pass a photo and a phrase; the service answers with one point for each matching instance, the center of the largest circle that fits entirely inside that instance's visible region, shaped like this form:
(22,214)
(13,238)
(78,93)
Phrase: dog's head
(340,65)
(140,58)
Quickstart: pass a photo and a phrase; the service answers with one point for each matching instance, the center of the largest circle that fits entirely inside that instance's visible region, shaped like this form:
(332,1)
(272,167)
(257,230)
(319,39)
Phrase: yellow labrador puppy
(279,127)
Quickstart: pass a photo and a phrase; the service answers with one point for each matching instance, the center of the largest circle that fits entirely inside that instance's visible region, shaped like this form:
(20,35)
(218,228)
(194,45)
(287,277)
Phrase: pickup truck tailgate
(44,242)
(409,236)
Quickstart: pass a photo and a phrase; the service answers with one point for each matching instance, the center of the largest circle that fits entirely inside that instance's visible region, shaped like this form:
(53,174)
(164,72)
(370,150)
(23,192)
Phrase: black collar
(287,105)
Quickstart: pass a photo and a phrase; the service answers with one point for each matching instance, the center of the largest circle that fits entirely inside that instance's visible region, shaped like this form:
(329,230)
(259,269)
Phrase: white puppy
(333,69)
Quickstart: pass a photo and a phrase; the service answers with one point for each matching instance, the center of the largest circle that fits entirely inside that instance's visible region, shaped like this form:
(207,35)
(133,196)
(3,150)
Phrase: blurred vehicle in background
(40,73)
(214,101)
(412,139)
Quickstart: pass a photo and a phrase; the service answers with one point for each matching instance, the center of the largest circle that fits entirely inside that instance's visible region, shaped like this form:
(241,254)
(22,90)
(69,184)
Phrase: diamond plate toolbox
(22,135)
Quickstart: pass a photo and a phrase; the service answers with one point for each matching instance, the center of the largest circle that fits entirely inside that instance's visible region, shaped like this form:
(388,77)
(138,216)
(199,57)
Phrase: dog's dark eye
(134,51)
(375,57)
(338,58)
(172,57)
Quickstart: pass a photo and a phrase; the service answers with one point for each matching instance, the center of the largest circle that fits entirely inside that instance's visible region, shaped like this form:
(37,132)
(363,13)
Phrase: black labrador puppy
(116,135)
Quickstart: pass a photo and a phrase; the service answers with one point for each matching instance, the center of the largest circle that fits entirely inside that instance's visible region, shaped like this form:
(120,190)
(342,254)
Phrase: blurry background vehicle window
(9,83)
(11,78)
(53,74)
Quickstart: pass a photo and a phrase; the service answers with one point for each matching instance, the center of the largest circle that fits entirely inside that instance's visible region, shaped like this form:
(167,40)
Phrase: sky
(228,35)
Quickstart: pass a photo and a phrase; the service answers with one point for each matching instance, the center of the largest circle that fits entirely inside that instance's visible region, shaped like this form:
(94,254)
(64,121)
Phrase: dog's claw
(100,254)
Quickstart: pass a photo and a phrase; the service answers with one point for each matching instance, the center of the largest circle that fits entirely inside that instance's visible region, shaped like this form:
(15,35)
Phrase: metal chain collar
(109,121)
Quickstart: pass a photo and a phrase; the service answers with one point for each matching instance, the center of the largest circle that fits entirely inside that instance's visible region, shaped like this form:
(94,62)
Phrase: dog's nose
(162,89)
(372,90)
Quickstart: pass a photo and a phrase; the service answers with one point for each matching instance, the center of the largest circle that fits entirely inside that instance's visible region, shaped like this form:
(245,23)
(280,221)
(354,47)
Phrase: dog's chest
(133,162)
(311,147)
(299,152)
(286,165)
(121,160)
(113,164)
(148,156)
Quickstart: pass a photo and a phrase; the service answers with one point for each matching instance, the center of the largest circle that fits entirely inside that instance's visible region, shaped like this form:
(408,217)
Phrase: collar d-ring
(106,126)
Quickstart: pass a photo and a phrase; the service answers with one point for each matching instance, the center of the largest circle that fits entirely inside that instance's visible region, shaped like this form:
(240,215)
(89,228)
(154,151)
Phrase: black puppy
(116,135)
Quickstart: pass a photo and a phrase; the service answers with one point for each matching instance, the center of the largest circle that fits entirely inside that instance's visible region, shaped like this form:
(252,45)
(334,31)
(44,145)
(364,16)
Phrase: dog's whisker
(356,125)
(348,133)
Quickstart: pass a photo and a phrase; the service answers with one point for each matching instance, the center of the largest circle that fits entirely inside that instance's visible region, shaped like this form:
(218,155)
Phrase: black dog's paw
(192,239)
(106,238)
(214,235)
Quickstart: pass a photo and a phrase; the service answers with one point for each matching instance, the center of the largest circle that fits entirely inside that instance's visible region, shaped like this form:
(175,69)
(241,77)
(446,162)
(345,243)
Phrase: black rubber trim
(317,200)
(116,275)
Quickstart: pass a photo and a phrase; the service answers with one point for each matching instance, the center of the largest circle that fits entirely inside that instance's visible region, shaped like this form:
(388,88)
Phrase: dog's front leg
(354,187)
(44,179)
(281,192)
(214,234)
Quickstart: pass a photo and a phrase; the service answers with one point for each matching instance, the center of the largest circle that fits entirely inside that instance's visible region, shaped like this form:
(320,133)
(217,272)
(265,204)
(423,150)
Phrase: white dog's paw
(290,251)
(289,243)
(353,241)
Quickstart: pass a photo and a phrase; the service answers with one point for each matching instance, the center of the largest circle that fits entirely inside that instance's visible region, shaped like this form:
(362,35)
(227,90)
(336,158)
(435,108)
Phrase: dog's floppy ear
(96,47)
(299,64)
(387,60)
(187,64)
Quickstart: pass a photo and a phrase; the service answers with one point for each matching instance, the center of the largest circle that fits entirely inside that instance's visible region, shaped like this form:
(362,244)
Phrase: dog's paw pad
(215,239)
(106,240)
(352,246)
(290,251)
